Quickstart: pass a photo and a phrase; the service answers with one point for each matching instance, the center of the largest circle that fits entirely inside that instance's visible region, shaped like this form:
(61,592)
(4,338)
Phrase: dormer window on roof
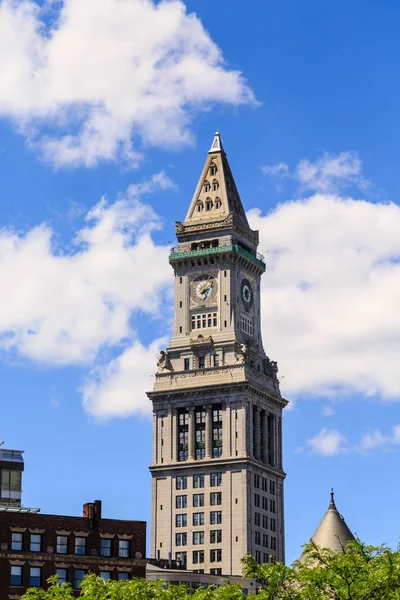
(213,170)
(207,186)
(200,206)
(215,185)
(218,203)
(209,204)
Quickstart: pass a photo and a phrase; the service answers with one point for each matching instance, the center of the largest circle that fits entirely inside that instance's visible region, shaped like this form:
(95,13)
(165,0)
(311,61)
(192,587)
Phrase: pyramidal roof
(332,532)
(216,194)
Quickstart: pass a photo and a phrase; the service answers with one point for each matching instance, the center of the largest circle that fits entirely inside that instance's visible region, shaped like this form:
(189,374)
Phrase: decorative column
(192,432)
(174,434)
(250,429)
(209,431)
(257,433)
(264,457)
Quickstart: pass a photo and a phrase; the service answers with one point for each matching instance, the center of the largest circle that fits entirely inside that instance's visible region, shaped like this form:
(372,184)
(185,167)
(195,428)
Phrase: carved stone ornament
(240,351)
(138,555)
(179,227)
(93,552)
(49,549)
(163,362)
(202,340)
(271,368)
(4,546)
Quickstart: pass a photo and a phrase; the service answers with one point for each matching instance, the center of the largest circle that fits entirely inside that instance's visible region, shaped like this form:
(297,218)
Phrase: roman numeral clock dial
(247,294)
(203,289)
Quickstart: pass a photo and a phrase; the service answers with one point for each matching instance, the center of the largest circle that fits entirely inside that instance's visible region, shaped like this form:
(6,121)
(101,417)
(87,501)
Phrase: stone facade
(217,477)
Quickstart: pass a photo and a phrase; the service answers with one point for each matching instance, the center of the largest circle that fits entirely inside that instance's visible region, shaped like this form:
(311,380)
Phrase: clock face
(203,289)
(247,294)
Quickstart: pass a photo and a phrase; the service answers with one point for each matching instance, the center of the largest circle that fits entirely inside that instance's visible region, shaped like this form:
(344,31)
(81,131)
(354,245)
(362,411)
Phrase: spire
(332,532)
(216,196)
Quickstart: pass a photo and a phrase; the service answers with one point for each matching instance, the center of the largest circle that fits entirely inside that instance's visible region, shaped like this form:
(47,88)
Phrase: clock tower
(217,477)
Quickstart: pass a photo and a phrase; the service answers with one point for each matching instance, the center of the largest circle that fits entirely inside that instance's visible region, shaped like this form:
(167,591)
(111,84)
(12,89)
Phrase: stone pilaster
(257,433)
(264,457)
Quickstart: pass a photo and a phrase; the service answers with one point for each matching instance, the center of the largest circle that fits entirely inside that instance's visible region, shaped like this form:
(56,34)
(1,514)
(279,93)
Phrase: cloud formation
(328,442)
(84,80)
(376,439)
(330,295)
(327,174)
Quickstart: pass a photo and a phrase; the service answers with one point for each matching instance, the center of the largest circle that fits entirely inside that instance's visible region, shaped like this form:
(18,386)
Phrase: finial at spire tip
(216,146)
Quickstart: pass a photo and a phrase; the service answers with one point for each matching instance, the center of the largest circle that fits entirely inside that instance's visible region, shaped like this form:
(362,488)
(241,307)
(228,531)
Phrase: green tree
(360,572)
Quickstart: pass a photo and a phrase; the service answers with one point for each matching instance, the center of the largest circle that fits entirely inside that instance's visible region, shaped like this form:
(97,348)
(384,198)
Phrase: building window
(202,362)
(265,557)
(198,519)
(215,498)
(216,536)
(215,517)
(204,320)
(265,503)
(35,576)
(105,575)
(246,324)
(264,484)
(78,577)
(16,541)
(123,548)
(62,576)
(272,524)
(207,186)
(209,204)
(180,539)
(257,538)
(181,520)
(181,502)
(215,185)
(273,543)
(257,518)
(16,575)
(216,555)
(181,483)
(272,487)
(62,544)
(265,522)
(123,576)
(181,557)
(183,431)
(217,431)
(216,572)
(256,481)
(198,538)
(198,557)
(36,542)
(216,360)
(198,499)
(215,479)
(187,364)
(11,482)
(80,545)
(258,556)
(105,547)
(265,540)
(213,170)
(257,500)
(272,506)
(198,480)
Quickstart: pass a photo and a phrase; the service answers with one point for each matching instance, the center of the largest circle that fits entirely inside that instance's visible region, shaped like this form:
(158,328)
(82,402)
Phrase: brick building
(34,546)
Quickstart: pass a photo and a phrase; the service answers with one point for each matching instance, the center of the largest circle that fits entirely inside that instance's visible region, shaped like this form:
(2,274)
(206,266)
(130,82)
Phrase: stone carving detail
(202,340)
(240,351)
(4,546)
(49,549)
(179,227)
(163,362)
(93,552)
(271,368)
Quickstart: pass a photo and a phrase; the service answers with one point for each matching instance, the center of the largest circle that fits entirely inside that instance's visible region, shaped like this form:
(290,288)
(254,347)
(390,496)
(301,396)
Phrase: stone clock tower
(217,478)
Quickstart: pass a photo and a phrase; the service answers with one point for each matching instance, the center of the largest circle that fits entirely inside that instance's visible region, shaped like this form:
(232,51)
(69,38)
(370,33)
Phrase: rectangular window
(272,506)
(198,538)
(215,517)
(273,543)
(246,324)
(265,540)
(181,520)
(180,539)
(215,479)
(258,556)
(187,364)
(35,576)
(80,545)
(16,575)
(181,502)
(198,480)
(181,557)
(105,547)
(257,518)
(198,557)
(257,538)
(16,541)
(264,485)
(198,519)
(216,536)
(265,522)
(123,548)
(62,544)
(256,481)
(36,542)
(215,498)
(123,576)
(202,362)
(272,487)
(257,500)
(272,524)
(204,320)
(105,575)
(216,360)
(181,483)
(217,572)
(78,577)
(216,555)
(62,575)
(265,503)
(198,499)
(265,558)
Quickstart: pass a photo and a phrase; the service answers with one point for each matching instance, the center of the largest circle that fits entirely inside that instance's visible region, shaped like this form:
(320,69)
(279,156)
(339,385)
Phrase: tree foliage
(360,572)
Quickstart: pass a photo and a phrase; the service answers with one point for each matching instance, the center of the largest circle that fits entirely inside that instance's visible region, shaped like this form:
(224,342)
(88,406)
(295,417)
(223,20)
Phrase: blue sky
(107,110)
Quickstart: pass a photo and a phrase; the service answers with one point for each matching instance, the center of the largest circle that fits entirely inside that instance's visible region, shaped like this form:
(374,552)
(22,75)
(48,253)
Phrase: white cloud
(62,307)
(330,172)
(376,439)
(280,169)
(327,443)
(331,294)
(84,79)
(119,388)
(328,411)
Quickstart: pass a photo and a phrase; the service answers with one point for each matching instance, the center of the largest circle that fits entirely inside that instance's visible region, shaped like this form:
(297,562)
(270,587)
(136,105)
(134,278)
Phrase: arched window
(209,204)
(199,206)
(213,170)
(215,185)
(207,186)
(218,203)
